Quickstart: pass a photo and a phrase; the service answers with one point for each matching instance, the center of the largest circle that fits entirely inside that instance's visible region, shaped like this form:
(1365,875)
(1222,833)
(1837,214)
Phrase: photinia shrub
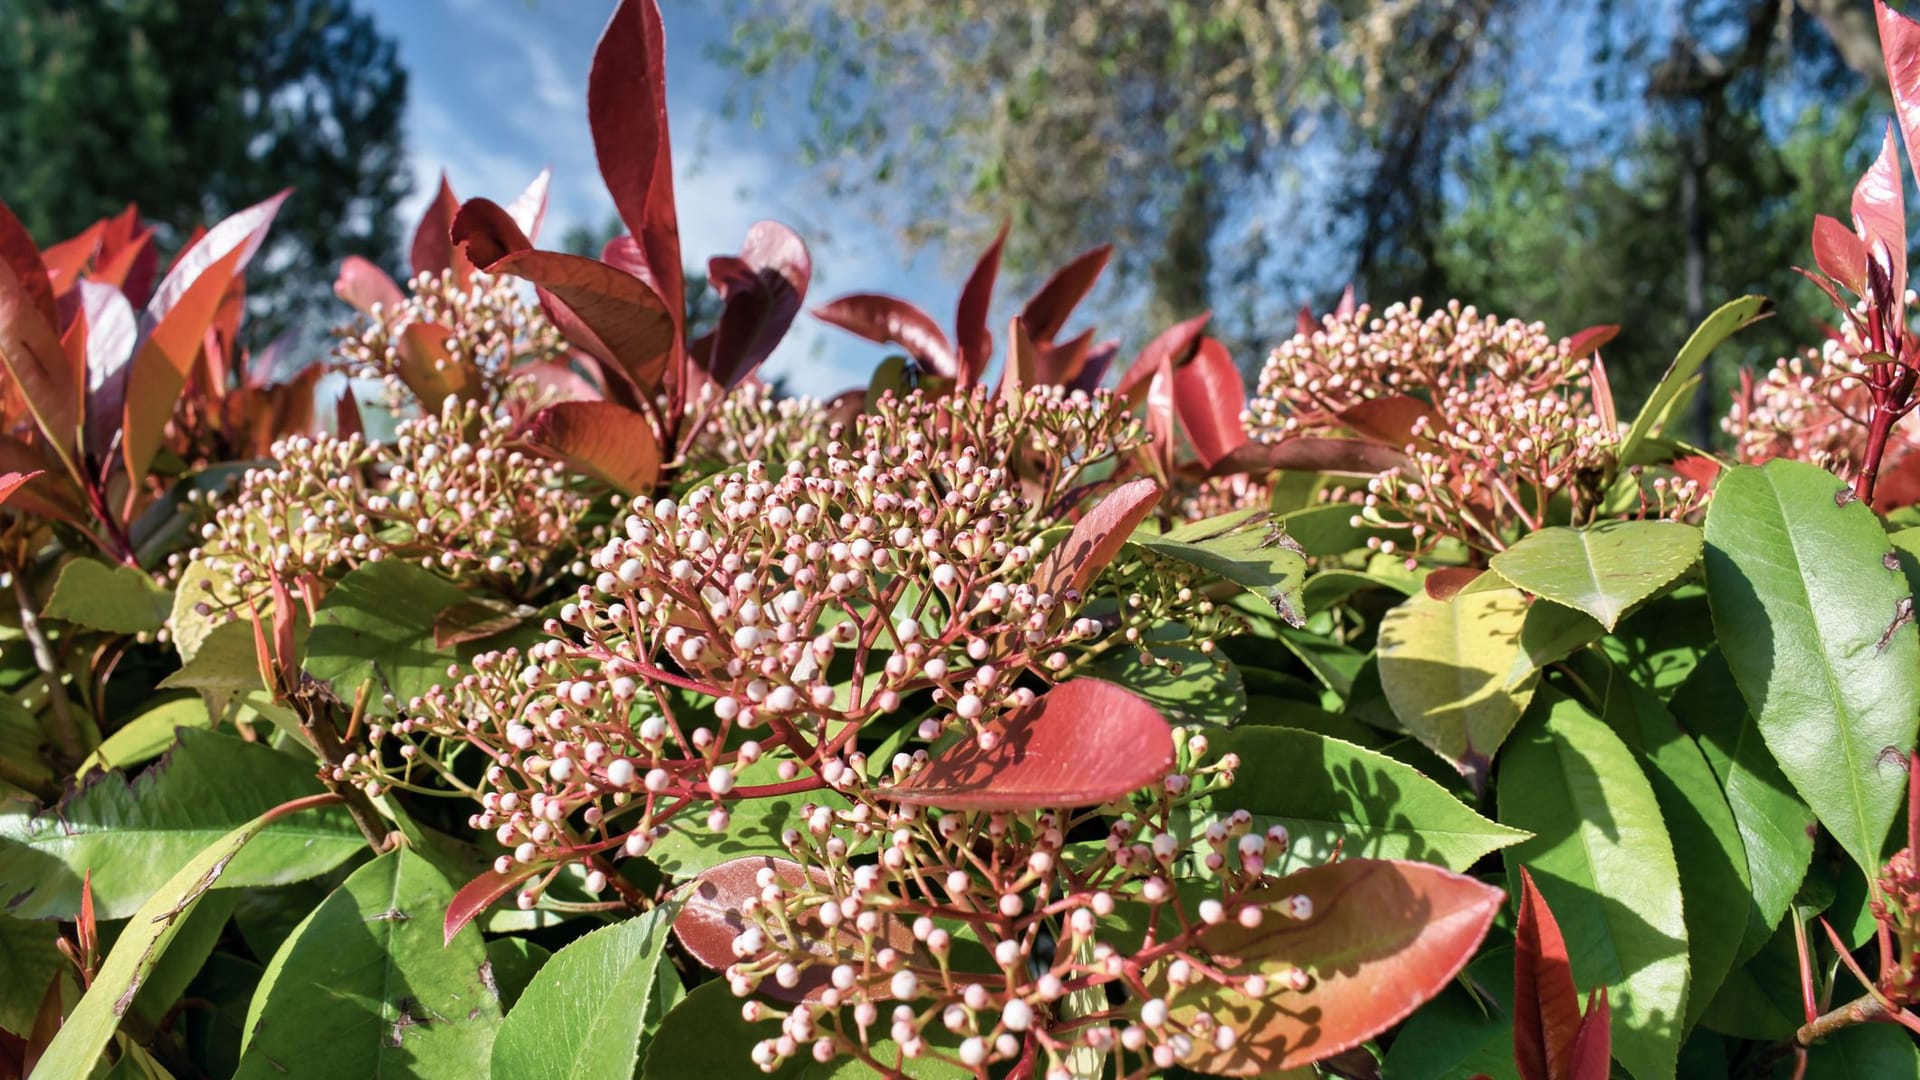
(561,700)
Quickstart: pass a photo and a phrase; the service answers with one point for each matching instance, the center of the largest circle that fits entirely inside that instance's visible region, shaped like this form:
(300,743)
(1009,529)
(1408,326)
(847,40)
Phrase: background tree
(1632,161)
(194,110)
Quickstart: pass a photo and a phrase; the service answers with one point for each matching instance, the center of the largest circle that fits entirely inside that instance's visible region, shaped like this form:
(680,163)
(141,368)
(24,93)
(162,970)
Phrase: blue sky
(498,91)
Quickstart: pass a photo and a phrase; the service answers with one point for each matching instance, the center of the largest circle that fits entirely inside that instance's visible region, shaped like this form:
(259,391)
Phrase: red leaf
(160,367)
(67,260)
(428,367)
(244,232)
(1080,744)
(1050,308)
(891,321)
(1880,215)
(1589,341)
(1444,583)
(1061,365)
(346,413)
(1304,324)
(710,920)
(487,233)
(130,267)
(529,210)
(30,340)
(602,440)
(1698,468)
(1173,345)
(1023,363)
(1094,369)
(1592,1055)
(478,895)
(1352,457)
(1839,253)
(1382,939)
(112,334)
(1900,44)
(12,482)
(763,289)
(626,319)
(1097,537)
(433,251)
(1347,306)
(1389,421)
(363,285)
(627,109)
(970,320)
(1208,395)
(1546,1006)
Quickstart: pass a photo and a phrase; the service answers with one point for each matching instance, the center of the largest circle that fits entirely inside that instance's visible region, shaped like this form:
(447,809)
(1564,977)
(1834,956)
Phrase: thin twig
(72,749)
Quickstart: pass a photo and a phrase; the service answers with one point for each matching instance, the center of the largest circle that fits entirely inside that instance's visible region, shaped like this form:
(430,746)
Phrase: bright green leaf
(119,599)
(366,986)
(377,625)
(1602,858)
(146,736)
(1445,667)
(1458,1033)
(1720,326)
(1804,608)
(1238,548)
(1706,840)
(1205,690)
(141,945)
(1333,795)
(583,1015)
(1603,570)
(135,835)
(1776,828)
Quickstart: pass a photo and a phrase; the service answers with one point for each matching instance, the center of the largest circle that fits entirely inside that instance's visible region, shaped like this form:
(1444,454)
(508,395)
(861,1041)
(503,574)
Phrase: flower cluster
(449,491)
(860,936)
(1811,407)
(486,332)
(1493,416)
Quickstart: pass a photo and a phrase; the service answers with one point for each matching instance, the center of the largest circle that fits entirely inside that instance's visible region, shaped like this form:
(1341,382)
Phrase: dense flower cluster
(449,491)
(1810,407)
(1493,415)
(856,937)
(474,338)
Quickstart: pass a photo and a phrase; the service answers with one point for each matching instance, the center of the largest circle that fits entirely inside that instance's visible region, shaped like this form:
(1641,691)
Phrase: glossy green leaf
(1203,690)
(1660,644)
(135,835)
(1706,839)
(1461,1033)
(1335,796)
(1720,326)
(1604,569)
(1776,828)
(204,600)
(119,599)
(1445,667)
(31,959)
(1602,858)
(146,736)
(1760,998)
(1804,608)
(377,626)
(514,961)
(140,946)
(703,1037)
(1241,548)
(1864,1052)
(366,986)
(584,1014)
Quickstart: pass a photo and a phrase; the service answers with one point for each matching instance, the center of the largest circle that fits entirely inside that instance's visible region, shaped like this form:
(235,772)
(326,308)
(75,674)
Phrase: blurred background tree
(197,108)
(1630,161)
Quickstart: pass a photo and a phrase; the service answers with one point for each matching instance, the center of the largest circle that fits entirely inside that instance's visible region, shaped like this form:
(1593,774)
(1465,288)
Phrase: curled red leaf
(763,290)
(892,321)
(1052,304)
(1174,345)
(626,322)
(487,233)
(1208,396)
